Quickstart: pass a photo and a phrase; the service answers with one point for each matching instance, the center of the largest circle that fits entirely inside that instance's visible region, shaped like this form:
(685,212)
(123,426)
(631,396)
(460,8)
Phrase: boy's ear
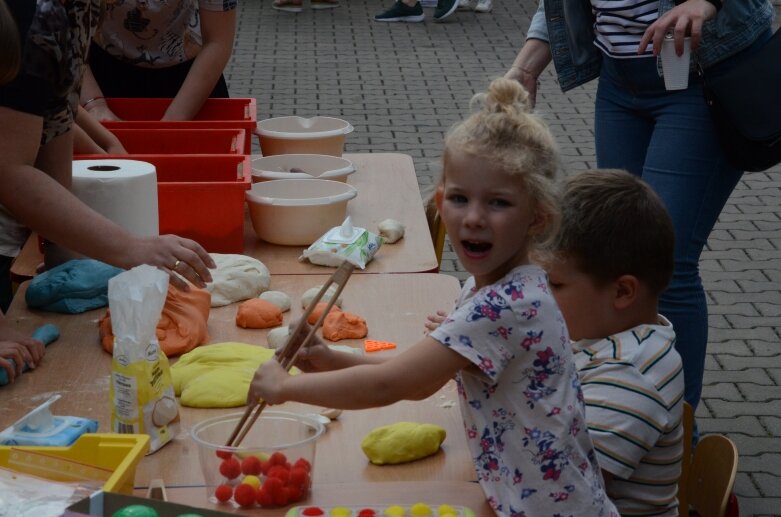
(627,289)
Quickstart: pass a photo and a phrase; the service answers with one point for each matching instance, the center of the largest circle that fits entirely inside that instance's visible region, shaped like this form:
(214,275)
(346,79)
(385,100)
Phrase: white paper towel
(124,191)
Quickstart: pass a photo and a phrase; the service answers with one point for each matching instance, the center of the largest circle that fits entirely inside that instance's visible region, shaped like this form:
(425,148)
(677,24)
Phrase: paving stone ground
(403,85)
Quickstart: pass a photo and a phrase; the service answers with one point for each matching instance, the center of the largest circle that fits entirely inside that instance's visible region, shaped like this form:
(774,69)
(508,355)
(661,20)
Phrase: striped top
(620,25)
(633,388)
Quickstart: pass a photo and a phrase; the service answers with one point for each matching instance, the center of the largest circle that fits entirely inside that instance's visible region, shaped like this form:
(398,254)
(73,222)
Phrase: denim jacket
(568,26)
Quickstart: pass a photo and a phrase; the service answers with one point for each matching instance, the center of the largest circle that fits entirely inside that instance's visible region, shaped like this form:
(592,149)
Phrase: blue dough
(47,334)
(73,287)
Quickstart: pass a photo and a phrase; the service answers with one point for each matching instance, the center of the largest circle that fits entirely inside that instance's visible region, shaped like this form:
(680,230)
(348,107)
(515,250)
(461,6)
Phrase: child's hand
(316,356)
(32,349)
(267,383)
(434,320)
(29,352)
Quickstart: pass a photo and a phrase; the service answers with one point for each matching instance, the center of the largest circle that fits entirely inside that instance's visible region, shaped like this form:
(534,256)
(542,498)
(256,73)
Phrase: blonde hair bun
(504,96)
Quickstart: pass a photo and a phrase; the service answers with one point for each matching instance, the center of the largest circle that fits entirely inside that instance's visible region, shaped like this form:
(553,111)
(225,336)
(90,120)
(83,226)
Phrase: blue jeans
(667,138)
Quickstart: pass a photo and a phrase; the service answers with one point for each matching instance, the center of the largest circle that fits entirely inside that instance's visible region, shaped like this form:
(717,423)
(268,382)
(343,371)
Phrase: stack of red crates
(203,165)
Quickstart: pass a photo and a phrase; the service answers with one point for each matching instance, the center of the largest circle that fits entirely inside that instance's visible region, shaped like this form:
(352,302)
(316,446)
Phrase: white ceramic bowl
(306,166)
(297,212)
(299,135)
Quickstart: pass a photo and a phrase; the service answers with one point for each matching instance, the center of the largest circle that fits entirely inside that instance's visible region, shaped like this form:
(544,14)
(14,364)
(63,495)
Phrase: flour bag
(141,390)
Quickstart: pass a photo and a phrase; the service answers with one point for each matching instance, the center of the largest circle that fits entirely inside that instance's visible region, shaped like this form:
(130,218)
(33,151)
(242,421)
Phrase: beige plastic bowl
(297,212)
(319,166)
(298,135)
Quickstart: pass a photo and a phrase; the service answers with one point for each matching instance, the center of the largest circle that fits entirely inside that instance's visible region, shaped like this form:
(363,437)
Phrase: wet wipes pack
(39,427)
(344,243)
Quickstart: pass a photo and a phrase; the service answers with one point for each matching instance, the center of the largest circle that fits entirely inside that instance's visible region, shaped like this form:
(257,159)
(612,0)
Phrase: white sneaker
(484,6)
(465,5)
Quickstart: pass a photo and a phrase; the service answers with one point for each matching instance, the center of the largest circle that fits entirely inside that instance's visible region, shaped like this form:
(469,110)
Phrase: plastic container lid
(303,128)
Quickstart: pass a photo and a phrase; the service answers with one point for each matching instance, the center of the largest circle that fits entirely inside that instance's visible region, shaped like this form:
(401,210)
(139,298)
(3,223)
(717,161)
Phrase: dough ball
(278,298)
(165,411)
(344,325)
(237,278)
(402,442)
(318,310)
(310,294)
(333,414)
(258,314)
(391,230)
(278,337)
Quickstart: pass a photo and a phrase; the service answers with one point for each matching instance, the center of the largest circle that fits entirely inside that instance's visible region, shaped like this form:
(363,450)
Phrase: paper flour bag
(141,390)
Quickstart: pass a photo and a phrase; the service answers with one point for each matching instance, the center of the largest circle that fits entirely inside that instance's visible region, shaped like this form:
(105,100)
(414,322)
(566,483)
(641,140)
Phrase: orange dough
(344,325)
(182,325)
(258,314)
(318,310)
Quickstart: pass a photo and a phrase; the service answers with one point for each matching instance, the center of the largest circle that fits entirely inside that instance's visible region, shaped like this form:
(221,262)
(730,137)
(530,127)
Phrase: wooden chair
(708,475)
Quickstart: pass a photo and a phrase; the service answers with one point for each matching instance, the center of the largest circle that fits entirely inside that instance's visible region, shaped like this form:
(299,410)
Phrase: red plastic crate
(201,197)
(239,113)
(177,141)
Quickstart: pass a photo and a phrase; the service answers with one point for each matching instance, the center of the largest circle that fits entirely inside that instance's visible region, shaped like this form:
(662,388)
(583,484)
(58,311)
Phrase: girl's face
(488,215)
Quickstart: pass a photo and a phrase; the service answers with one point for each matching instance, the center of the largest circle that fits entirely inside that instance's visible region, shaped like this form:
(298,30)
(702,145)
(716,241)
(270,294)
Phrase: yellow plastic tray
(111,458)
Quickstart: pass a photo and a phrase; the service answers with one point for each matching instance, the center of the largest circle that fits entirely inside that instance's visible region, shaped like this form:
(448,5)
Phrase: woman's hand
(532,59)
(433,321)
(267,383)
(175,255)
(684,19)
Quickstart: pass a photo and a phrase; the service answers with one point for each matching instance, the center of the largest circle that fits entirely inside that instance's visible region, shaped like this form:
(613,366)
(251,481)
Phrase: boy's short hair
(614,224)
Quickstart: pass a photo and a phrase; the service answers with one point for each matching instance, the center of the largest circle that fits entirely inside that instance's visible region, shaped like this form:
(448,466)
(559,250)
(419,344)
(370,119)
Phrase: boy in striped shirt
(609,263)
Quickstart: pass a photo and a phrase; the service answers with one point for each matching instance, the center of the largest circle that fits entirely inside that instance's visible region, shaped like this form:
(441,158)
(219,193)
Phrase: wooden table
(387,188)
(394,306)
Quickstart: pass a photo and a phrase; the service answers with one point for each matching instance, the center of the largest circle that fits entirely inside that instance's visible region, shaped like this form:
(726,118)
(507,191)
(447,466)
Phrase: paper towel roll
(124,191)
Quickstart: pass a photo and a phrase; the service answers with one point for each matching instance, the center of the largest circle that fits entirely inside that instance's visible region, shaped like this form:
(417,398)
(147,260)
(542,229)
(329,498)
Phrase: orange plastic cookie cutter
(372,345)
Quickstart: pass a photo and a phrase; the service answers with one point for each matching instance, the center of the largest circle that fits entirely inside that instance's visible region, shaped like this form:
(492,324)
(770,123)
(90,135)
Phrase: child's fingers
(5,365)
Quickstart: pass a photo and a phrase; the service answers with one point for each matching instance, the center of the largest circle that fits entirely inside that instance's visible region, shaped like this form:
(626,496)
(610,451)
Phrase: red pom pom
(282,496)
(264,498)
(367,512)
(272,486)
(313,511)
(245,495)
(301,462)
(223,493)
(250,466)
(295,493)
(279,471)
(277,459)
(225,455)
(299,476)
(230,468)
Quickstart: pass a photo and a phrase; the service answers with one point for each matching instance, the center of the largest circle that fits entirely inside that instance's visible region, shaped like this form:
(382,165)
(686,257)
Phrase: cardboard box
(104,504)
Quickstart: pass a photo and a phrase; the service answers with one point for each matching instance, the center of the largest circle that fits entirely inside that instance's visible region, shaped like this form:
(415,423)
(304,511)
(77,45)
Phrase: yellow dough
(217,376)
(402,442)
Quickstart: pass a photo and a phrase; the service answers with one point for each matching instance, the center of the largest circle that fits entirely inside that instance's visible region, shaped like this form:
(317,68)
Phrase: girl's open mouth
(474,248)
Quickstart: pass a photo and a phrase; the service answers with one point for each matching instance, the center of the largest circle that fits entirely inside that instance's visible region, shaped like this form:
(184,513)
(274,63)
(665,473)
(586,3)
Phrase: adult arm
(218,29)
(412,375)
(90,136)
(49,208)
(92,97)
(683,20)
(533,57)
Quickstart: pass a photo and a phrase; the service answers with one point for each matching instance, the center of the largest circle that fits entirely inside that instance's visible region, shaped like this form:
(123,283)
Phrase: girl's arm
(413,375)
(47,207)
(100,137)
(92,97)
(218,29)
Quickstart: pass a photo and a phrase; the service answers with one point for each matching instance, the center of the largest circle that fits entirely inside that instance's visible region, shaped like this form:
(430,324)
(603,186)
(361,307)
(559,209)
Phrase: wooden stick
(287,357)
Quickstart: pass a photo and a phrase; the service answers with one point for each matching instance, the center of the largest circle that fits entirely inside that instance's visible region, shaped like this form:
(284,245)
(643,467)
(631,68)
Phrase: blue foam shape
(47,334)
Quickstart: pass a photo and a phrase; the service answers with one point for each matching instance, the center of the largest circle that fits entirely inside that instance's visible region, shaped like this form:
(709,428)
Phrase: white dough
(333,414)
(237,278)
(310,294)
(391,230)
(278,337)
(278,298)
